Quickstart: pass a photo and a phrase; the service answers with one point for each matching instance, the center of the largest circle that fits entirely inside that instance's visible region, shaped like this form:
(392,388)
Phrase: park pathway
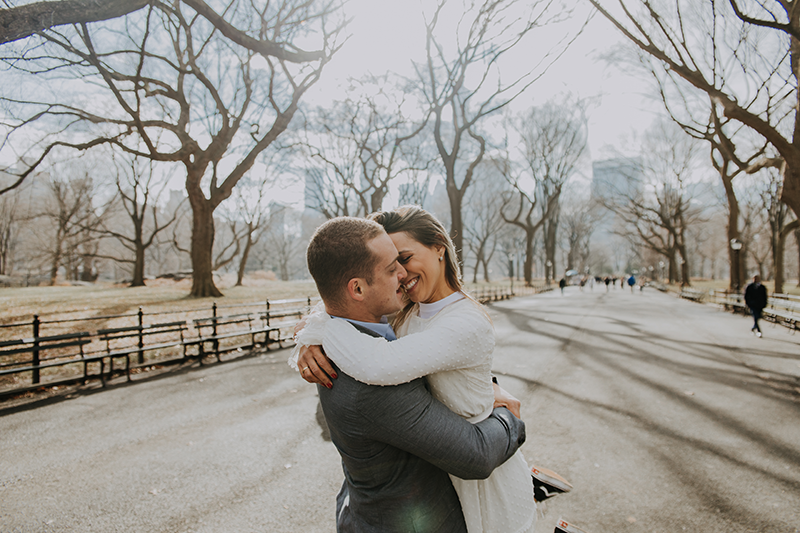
(665,415)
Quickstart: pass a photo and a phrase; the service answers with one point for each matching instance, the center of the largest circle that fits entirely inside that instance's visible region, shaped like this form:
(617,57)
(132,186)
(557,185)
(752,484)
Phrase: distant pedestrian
(631,282)
(561,284)
(755,296)
(608,281)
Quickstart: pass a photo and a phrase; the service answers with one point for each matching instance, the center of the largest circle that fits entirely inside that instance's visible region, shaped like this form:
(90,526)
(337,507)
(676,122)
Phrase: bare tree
(252,209)
(360,146)
(183,84)
(525,208)
(283,245)
(138,193)
(69,218)
(780,226)
(657,213)
(552,145)
(579,218)
(744,56)
(462,87)
(483,221)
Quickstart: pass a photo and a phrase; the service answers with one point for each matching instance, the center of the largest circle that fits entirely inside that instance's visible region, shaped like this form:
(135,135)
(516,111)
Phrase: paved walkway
(665,415)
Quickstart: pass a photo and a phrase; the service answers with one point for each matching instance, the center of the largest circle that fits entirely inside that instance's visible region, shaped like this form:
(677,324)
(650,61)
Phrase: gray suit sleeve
(408,417)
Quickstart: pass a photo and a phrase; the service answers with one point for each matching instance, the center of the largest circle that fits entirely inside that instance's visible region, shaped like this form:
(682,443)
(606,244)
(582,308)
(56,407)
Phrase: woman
(447,336)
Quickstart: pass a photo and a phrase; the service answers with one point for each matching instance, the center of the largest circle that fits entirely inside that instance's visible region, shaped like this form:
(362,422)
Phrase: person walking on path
(755,297)
(631,282)
(561,284)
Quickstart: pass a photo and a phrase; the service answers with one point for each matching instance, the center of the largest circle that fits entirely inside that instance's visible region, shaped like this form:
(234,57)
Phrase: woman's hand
(315,367)
(503,399)
(300,325)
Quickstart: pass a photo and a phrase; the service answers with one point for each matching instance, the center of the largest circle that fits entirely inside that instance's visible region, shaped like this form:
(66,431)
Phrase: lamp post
(661,270)
(547,272)
(650,268)
(736,246)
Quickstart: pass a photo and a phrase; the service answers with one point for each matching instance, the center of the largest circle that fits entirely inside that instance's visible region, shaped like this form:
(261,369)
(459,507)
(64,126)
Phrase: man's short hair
(338,252)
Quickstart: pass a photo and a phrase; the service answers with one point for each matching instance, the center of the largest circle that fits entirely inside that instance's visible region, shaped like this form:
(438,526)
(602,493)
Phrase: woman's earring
(441,258)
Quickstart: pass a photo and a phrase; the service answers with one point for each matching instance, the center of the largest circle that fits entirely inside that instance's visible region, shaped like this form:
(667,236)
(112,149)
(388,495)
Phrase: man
(397,443)
(755,297)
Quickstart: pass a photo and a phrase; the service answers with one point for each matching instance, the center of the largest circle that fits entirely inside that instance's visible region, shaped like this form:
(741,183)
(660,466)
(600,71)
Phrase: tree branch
(21,22)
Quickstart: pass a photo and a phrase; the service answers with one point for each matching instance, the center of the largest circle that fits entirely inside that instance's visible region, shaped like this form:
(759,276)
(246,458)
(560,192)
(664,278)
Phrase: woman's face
(425,274)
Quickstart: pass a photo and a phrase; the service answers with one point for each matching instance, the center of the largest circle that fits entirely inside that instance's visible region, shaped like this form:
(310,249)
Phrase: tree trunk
(734,256)
(138,266)
(685,273)
(284,266)
(23,21)
(87,273)
(797,240)
(56,262)
(486,271)
(527,267)
(456,222)
(777,261)
(778,253)
(550,230)
(673,268)
(202,245)
(790,194)
(376,200)
(53,272)
(550,234)
(245,254)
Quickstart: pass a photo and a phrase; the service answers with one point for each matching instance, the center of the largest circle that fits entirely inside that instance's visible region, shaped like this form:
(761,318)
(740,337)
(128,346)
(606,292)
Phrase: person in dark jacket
(755,297)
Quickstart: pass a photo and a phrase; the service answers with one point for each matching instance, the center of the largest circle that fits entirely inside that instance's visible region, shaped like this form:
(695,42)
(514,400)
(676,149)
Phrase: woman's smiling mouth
(411,284)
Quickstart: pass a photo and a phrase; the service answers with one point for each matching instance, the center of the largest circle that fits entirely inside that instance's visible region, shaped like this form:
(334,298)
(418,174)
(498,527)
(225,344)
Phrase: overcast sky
(387,34)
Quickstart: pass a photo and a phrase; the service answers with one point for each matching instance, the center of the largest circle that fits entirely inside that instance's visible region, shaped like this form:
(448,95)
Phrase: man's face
(384,296)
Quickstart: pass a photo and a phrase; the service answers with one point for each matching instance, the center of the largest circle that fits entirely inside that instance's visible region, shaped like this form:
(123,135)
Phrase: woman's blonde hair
(426,229)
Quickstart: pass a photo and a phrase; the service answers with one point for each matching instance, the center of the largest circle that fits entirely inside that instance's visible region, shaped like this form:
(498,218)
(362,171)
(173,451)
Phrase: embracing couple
(412,408)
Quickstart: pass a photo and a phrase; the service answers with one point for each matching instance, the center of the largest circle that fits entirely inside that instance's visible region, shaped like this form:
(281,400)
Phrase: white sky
(387,34)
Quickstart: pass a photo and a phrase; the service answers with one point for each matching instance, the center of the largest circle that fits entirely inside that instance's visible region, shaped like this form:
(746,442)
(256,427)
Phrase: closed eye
(403,260)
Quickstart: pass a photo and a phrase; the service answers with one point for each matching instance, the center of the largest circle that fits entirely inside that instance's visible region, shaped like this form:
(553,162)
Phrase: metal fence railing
(48,352)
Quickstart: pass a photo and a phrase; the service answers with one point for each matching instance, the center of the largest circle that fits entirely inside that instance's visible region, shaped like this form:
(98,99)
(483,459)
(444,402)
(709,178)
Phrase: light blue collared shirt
(382,328)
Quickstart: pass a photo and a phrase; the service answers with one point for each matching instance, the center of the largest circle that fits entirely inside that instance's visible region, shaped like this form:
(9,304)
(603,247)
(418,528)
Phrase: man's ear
(355,289)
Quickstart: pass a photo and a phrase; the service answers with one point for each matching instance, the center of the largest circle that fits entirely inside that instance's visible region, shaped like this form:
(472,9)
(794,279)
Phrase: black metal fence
(48,352)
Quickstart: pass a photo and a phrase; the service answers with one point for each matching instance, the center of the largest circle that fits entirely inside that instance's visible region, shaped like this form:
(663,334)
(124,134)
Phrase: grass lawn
(63,302)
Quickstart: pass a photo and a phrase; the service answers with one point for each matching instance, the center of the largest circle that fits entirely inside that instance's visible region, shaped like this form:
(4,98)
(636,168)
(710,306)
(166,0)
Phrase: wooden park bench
(129,341)
(783,309)
(695,295)
(730,301)
(45,352)
(273,325)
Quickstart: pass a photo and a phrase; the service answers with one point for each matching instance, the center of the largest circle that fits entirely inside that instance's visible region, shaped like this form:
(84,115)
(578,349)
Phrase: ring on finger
(304,369)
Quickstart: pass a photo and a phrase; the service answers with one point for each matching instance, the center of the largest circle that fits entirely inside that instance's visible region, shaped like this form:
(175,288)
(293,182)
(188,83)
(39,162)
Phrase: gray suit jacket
(397,446)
